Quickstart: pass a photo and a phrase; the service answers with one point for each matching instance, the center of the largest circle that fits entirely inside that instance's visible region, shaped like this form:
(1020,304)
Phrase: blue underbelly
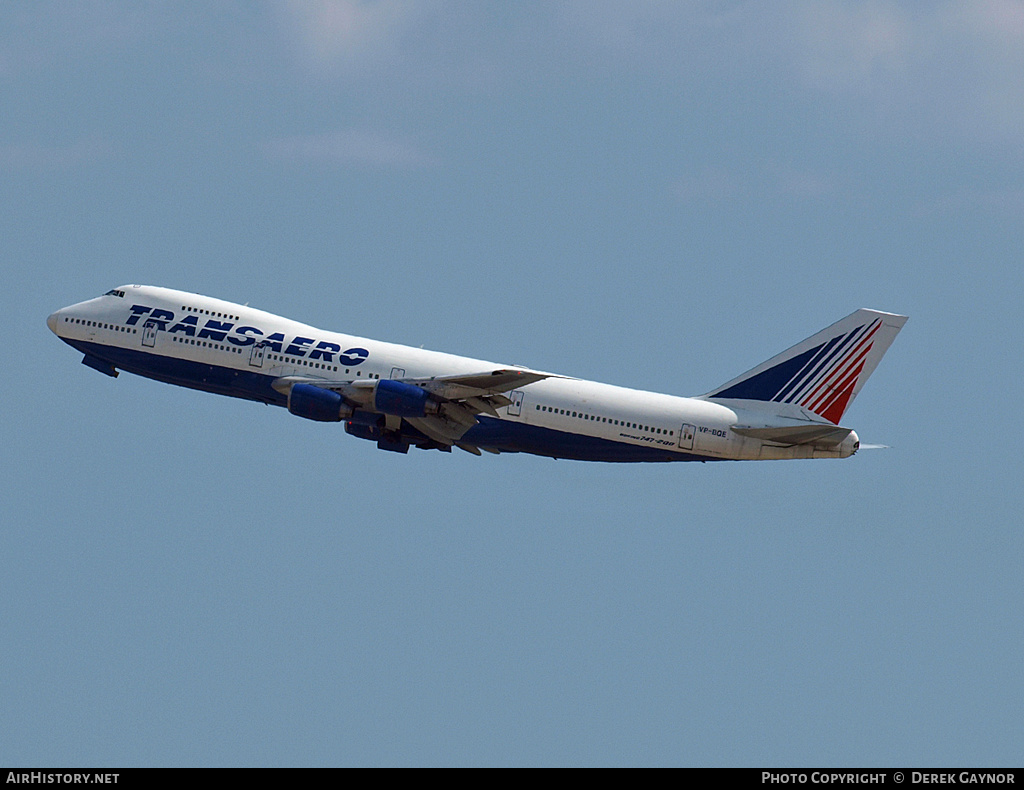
(502,435)
(219,379)
(515,437)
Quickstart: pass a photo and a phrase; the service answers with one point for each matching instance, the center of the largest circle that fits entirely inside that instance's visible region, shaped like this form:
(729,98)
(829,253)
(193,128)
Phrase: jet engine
(402,400)
(316,403)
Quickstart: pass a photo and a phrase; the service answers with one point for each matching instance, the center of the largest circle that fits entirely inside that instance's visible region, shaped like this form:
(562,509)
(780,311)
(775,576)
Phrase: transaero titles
(898,777)
(245,336)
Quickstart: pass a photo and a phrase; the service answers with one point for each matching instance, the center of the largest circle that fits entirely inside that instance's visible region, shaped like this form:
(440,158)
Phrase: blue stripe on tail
(768,383)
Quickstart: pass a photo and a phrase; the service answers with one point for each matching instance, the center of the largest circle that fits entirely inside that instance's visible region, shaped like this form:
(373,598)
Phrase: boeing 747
(401,397)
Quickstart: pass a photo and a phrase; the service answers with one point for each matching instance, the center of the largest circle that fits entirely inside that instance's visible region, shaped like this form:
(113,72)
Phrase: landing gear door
(149,330)
(515,408)
(686,436)
(256,355)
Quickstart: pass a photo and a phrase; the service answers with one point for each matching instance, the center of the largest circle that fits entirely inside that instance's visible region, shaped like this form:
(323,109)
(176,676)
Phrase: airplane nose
(52,322)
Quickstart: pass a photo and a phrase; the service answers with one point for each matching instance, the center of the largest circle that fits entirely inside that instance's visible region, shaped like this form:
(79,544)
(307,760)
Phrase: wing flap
(459,413)
(475,385)
(438,429)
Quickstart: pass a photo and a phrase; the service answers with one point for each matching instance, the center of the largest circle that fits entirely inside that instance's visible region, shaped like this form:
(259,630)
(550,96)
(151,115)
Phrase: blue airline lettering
(247,335)
(324,351)
(138,311)
(354,357)
(296,347)
(186,325)
(160,318)
(215,330)
(245,340)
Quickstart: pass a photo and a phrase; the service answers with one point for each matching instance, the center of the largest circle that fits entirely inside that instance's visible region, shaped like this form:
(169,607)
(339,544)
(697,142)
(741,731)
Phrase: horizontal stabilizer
(818,435)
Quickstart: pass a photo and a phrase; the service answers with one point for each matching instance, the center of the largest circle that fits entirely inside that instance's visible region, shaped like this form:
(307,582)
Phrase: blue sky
(659,195)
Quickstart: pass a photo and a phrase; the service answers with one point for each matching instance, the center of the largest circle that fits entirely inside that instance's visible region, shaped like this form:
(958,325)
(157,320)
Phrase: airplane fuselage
(229,349)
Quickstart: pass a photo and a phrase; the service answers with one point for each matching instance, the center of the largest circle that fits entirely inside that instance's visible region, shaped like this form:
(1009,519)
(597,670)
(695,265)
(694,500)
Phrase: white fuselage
(231,349)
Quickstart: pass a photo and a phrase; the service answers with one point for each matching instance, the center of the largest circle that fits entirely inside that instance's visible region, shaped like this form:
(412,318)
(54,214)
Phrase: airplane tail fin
(824,373)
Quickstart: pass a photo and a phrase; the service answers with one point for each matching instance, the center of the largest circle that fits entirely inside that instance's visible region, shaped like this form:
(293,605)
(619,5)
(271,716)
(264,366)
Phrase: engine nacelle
(316,403)
(402,400)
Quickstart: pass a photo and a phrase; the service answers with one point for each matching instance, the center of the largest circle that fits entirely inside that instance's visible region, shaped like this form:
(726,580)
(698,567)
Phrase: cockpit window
(115,292)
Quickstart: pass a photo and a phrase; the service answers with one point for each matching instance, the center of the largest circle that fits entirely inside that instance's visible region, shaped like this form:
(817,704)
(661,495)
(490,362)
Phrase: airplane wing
(462,397)
(478,385)
(458,398)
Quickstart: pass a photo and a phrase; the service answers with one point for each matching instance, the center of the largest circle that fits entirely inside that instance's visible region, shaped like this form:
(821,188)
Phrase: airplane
(400,397)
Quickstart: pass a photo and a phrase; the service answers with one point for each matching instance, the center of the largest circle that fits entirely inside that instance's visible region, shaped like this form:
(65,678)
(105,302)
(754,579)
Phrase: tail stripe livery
(800,385)
(832,408)
(811,370)
(826,384)
(824,373)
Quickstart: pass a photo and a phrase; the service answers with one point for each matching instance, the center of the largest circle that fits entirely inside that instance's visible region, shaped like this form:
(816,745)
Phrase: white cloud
(38,34)
(722,183)
(339,34)
(949,68)
(711,184)
(801,182)
(350,147)
(39,156)
(1005,202)
(845,46)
